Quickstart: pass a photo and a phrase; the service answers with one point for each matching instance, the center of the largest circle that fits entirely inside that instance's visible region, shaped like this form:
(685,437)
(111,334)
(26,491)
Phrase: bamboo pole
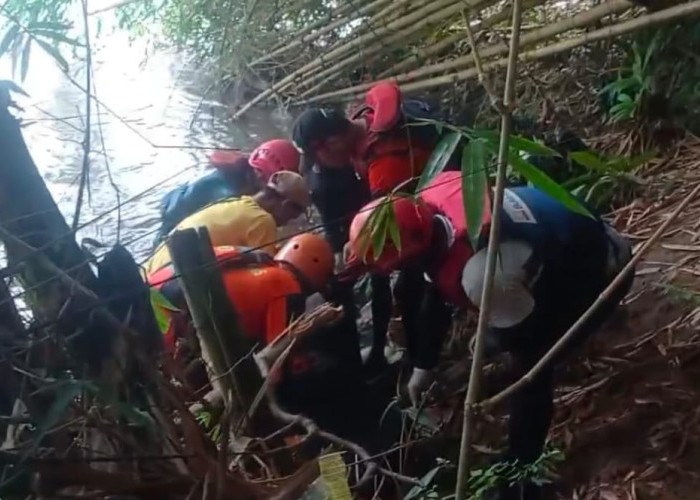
(602,298)
(378,38)
(421,54)
(390,42)
(307,35)
(224,346)
(413,17)
(491,258)
(578,21)
(629,26)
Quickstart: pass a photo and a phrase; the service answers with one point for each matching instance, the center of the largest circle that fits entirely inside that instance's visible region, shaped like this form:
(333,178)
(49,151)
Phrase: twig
(88,101)
(479,67)
(491,257)
(602,298)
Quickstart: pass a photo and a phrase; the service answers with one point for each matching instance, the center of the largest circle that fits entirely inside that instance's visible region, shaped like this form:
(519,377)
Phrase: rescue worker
(375,146)
(249,221)
(376,140)
(553,264)
(319,377)
(234,175)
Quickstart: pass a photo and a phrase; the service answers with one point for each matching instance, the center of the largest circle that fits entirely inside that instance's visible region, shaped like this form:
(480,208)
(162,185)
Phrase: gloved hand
(418,383)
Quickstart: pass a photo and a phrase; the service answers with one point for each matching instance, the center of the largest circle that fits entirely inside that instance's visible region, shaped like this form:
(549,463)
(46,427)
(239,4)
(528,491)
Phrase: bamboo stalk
(629,26)
(413,17)
(379,42)
(307,35)
(491,258)
(388,42)
(602,298)
(423,54)
(578,21)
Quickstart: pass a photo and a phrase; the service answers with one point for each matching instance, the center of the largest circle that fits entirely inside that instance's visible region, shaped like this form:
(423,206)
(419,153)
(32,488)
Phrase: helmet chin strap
(449,229)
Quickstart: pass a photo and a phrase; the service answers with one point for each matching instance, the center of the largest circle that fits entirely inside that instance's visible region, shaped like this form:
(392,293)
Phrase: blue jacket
(571,249)
(189,198)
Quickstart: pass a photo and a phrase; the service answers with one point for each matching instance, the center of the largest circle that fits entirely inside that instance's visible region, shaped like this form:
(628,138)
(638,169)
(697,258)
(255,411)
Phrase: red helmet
(415,223)
(273,156)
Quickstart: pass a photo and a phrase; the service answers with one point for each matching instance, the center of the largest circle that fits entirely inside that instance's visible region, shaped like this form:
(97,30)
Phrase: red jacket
(444,195)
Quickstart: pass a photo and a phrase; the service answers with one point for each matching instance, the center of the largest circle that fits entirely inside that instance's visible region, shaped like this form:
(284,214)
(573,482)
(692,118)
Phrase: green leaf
(54,53)
(48,25)
(8,39)
(518,142)
(439,158)
(624,98)
(56,37)
(25,59)
(474,186)
(379,232)
(542,181)
(418,492)
(157,298)
(639,160)
(589,160)
(160,304)
(393,226)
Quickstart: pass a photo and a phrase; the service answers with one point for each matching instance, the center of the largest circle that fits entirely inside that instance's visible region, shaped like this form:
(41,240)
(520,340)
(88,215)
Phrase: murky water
(151,133)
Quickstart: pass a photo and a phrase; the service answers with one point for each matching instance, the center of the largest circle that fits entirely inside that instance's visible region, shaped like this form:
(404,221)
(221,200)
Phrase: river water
(151,131)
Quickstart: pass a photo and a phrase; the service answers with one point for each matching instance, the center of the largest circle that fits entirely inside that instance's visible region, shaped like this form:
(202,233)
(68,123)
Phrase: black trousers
(531,409)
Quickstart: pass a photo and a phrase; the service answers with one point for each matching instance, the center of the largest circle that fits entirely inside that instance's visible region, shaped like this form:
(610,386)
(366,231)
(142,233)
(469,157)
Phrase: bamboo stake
(602,298)
(629,26)
(578,21)
(413,17)
(307,35)
(491,257)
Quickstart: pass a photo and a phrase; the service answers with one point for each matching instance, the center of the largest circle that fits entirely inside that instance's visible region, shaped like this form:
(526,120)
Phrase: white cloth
(511,302)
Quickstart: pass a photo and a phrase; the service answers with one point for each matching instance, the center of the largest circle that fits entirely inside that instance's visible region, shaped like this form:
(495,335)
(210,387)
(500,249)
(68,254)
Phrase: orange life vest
(258,293)
(392,153)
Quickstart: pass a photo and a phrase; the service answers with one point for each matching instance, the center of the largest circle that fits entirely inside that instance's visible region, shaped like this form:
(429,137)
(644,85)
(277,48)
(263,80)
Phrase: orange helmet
(415,224)
(311,255)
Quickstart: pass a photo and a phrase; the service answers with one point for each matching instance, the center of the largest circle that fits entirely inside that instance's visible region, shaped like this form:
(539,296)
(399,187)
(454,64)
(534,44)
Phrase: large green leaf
(542,181)
(474,186)
(439,158)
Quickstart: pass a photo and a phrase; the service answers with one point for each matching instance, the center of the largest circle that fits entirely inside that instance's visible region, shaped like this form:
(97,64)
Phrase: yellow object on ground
(334,474)
(233,222)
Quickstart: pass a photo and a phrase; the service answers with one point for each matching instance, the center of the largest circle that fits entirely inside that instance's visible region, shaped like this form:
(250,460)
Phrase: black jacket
(338,194)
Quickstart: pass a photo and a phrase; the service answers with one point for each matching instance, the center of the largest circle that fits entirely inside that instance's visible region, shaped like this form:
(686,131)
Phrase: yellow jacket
(232,222)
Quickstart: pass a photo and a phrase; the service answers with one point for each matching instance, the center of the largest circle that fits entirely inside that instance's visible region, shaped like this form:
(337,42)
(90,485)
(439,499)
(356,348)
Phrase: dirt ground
(628,411)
